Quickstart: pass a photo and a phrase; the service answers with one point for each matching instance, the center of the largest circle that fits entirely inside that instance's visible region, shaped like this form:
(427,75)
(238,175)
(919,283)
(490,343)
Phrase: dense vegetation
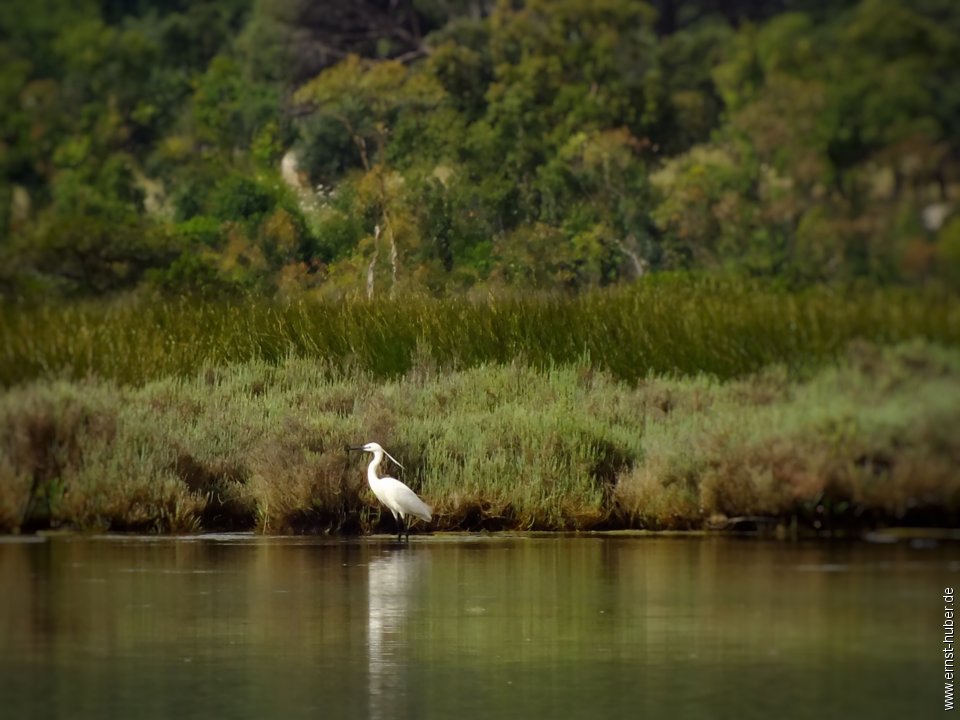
(578,263)
(868,441)
(281,146)
(661,325)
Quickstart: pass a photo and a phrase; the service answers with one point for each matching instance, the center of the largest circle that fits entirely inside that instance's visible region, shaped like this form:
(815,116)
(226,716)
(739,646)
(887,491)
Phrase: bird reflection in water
(392,580)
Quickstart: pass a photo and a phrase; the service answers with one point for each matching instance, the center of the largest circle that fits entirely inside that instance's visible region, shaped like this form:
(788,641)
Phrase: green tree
(365,100)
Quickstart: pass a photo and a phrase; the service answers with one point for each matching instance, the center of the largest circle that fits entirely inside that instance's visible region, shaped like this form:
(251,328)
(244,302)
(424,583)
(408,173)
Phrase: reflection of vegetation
(495,446)
(551,626)
(553,144)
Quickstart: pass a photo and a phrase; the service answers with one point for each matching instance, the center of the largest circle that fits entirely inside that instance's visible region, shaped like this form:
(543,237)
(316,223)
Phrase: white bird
(399,499)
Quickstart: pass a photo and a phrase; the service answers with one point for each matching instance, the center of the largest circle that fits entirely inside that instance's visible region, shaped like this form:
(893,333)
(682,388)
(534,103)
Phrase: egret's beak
(351,447)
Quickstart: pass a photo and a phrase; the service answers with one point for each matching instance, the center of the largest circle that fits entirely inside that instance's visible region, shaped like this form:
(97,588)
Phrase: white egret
(399,499)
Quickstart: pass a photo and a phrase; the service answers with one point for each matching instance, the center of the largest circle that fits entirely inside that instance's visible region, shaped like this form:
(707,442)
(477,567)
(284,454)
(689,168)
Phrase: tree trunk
(639,266)
(394,261)
(373,262)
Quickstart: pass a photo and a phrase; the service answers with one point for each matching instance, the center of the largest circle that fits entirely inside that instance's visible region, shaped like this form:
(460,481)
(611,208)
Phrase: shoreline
(892,535)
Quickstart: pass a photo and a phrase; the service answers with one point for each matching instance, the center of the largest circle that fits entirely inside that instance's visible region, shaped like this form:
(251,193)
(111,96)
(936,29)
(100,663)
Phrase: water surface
(470,627)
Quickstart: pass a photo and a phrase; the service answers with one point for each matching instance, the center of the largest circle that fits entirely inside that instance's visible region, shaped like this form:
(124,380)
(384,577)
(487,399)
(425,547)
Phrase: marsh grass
(869,439)
(664,325)
(261,444)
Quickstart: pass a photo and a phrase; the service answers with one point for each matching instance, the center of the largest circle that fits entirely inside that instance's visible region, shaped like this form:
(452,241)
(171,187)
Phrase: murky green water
(467,627)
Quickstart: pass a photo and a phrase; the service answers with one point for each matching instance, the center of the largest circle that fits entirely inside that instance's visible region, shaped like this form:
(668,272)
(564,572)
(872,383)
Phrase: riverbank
(863,441)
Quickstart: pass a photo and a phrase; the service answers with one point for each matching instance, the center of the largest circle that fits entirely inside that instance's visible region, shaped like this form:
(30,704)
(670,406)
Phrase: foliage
(864,441)
(567,144)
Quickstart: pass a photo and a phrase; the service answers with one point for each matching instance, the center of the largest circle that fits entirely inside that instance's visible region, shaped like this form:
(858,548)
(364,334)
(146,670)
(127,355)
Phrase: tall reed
(664,325)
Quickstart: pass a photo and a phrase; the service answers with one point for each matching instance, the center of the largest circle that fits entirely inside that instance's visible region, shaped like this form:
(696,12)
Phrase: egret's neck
(372,467)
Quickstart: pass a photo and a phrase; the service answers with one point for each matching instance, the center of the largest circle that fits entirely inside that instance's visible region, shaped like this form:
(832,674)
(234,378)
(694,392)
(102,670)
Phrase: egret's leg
(400,525)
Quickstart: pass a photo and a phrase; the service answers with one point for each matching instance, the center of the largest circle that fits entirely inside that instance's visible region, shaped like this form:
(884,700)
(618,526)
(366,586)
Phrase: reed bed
(670,325)
(865,440)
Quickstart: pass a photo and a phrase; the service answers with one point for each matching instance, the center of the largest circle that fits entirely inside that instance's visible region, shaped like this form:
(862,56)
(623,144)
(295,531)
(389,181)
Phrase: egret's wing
(405,500)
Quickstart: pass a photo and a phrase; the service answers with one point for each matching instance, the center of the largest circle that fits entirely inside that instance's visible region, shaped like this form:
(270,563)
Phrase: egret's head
(369,447)
(373,447)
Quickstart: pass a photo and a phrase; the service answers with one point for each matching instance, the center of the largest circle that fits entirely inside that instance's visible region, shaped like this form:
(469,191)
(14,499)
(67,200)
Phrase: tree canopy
(280,146)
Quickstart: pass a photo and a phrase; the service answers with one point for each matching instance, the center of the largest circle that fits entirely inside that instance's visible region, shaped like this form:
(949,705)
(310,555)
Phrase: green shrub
(240,198)
(867,440)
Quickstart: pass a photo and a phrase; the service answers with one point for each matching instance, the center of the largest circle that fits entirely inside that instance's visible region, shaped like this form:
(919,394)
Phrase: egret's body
(399,499)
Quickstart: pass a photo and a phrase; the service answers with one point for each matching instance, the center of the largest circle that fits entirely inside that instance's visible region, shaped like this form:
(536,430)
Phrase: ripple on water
(824,568)
(21,539)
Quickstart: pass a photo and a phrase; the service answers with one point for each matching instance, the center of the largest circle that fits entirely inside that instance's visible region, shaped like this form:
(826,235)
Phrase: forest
(284,147)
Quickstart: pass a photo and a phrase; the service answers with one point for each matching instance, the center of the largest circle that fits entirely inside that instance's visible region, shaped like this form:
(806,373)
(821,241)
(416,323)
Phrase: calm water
(470,627)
